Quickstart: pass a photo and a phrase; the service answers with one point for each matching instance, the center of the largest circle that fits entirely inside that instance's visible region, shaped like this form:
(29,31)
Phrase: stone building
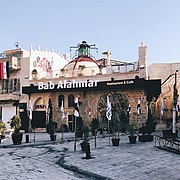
(163,107)
(91,81)
(10,84)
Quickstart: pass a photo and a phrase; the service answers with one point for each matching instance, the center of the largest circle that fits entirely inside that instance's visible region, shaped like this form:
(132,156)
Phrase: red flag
(1,70)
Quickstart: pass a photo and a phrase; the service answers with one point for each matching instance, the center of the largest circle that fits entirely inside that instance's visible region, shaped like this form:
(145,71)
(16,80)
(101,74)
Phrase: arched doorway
(39,114)
(119,104)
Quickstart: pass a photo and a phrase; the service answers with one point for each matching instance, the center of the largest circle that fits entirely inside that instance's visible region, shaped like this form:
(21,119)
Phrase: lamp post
(175,98)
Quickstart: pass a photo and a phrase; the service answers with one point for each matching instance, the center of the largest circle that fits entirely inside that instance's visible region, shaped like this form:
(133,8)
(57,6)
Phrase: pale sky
(116,25)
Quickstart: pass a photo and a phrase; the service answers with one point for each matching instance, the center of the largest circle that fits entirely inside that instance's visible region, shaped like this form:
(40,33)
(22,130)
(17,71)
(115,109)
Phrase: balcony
(10,89)
(9,97)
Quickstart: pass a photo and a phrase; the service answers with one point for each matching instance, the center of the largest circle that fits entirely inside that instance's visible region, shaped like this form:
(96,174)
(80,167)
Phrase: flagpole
(62,132)
(108,115)
(75,134)
(76,114)
(109,133)
(175,98)
(30,117)
(62,124)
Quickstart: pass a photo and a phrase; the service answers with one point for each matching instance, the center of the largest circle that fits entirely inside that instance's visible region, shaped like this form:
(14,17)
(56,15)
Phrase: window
(60,99)
(11,85)
(71,100)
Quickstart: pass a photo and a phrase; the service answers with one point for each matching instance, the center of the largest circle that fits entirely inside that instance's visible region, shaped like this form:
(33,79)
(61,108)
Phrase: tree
(119,104)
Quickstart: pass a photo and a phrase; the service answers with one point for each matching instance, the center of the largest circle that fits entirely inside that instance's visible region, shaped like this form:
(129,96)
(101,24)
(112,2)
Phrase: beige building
(14,78)
(16,69)
(163,108)
(91,81)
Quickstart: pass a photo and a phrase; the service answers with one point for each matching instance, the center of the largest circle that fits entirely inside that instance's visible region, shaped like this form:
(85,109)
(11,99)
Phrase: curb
(29,144)
(75,169)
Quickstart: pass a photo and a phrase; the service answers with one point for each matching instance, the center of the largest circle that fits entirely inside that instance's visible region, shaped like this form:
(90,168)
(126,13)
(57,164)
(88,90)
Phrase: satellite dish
(16,44)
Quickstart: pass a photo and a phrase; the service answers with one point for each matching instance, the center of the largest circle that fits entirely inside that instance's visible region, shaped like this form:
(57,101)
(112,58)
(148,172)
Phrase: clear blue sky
(116,25)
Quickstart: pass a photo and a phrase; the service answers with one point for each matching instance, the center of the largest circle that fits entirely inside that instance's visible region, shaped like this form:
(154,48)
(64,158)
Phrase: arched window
(39,103)
(60,99)
(71,100)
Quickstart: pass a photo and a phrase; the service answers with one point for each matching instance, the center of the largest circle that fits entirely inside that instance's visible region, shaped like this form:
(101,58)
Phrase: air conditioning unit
(14,63)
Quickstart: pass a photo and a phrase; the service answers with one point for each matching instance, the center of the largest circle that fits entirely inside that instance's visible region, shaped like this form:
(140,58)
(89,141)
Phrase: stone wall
(92,98)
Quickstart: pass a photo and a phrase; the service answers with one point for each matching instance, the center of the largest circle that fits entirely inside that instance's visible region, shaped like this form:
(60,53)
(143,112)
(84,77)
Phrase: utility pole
(175,98)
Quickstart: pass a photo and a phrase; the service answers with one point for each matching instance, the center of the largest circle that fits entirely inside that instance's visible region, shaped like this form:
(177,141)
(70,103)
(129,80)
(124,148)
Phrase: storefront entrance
(39,119)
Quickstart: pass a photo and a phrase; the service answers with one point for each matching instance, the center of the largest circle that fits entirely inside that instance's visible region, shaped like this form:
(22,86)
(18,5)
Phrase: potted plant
(51,129)
(146,131)
(79,127)
(132,136)
(115,129)
(85,142)
(15,123)
(168,132)
(94,126)
(51,125)
(2,130)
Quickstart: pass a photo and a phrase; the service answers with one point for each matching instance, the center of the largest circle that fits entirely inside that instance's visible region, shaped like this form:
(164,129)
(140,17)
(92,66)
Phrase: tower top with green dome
(83,49)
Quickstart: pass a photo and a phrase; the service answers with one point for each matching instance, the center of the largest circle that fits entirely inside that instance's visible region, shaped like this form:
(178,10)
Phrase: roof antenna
(16,44)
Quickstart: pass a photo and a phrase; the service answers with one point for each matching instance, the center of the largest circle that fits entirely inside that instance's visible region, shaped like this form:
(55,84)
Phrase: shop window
(71,100)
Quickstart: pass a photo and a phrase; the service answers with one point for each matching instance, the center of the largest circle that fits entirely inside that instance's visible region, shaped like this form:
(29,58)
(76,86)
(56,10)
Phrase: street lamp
(175,98)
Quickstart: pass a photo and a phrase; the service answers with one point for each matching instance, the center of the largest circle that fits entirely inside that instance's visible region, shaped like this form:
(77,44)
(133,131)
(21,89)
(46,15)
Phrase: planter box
(115,142)
(146,138)
(132,139)
(84,146)
(53,137)
(17,138)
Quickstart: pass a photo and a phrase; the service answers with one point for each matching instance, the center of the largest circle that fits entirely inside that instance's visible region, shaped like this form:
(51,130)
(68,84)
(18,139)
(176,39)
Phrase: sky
(116,25)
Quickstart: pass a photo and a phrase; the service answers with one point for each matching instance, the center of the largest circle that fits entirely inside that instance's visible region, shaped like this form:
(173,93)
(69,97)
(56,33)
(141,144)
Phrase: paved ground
(140,161)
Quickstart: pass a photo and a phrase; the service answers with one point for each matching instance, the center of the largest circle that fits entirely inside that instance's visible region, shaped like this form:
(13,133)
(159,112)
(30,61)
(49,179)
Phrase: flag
(129,109)
(62,110)
(89,109)
(76,107)
(4,70)
(108,109)
(30,110)
(7,69)
(162,107)
(139,107)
